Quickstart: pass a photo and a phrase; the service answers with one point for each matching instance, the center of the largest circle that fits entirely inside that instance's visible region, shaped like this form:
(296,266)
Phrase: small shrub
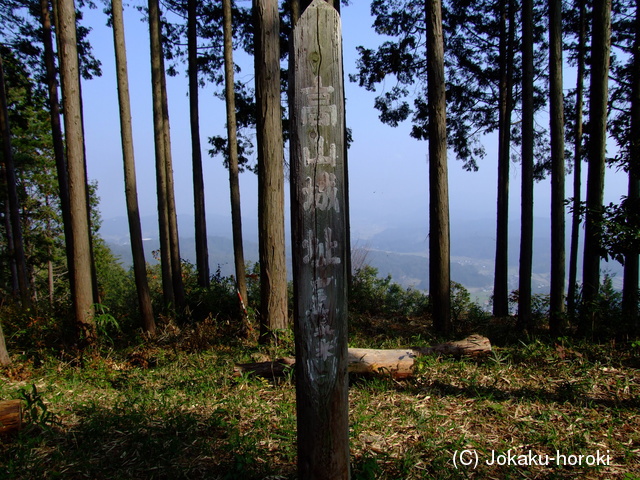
(374,295)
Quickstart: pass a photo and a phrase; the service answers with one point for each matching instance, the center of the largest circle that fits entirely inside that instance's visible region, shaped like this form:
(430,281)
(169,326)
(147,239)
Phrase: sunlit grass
(174,410)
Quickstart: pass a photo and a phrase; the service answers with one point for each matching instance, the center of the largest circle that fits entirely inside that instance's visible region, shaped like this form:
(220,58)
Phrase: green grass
(173,410)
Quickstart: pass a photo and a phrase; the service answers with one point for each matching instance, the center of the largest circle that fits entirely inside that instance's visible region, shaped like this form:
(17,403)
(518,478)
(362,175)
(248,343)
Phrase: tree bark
(526,201)
(12,197)
(232,138)
(630,283)
(598,99)
(399,363)
(501,278)
(157,72)
(4,354)
(82,264)
(577,162)
(439,242)
(131,192)
(13,268)
(202,251)
(172,215)
(273,275)
(10,416)
(56,132)
(556,101)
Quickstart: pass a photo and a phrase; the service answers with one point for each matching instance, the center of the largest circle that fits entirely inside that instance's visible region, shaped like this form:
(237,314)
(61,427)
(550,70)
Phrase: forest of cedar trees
(108,361)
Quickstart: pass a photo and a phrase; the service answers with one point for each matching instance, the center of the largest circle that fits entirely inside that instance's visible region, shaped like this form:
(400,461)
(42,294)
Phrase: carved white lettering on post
(319,245)
(323,195)
(320,158)
(318,111)
(320,254)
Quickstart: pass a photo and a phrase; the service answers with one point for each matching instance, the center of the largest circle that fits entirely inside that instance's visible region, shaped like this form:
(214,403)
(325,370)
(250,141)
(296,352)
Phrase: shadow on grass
(135,444)
(564,392)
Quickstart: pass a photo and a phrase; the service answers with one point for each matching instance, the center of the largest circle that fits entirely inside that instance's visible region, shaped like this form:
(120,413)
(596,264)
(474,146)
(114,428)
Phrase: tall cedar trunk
(501,278)
(94,276)
(12,197)
(577,162)
(273,274)
(51,284)
(131,192)
(439,246)
(202,252)
(15,288)
(82,262)
(526,202)
(4,354)
(94,271)
(56,132)
(598,97)
(174,237)
(630,285)
(232,138)
(157,73)
(556,100)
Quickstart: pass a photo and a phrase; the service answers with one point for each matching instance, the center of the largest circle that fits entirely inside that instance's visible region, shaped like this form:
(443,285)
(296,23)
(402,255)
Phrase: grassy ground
(172,410)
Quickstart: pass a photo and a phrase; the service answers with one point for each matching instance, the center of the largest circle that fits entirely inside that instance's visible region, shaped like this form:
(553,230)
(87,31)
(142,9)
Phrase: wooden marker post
(319,232)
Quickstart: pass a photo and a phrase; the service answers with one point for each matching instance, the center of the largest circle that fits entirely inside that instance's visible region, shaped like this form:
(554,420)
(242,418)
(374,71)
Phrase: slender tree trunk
(273,275)
(94,275)
(202,252)
(630,285)
(4,354)
(56,132)
(51,285)
(577,163)
(439,243)
(232,138)
(501,278)
(12,196)
(526,205)
(157,72)
(131,192)
(598,98)
(51,74)
(556,101)
(174,237)
(82,265)
(13,268)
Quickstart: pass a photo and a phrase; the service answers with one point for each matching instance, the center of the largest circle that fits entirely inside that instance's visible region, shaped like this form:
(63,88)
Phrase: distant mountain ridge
(400,251)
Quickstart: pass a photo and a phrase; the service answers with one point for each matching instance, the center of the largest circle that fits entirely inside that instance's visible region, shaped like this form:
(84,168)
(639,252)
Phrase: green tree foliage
(37,185)
(41,215)
(373,295)
(20,29)
(620,229)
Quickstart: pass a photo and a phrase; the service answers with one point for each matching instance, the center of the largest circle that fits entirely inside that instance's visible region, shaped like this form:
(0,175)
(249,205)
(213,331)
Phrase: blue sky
(388,169)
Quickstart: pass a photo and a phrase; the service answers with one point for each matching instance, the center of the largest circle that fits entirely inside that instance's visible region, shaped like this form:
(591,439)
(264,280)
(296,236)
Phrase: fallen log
(10,416)
(398,363)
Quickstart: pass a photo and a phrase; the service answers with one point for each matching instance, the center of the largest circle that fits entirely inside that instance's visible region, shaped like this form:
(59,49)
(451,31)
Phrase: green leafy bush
(373,295)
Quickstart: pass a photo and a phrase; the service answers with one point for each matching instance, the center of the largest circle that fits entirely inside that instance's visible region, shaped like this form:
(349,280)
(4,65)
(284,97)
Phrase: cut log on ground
(398,363)
(10,416)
